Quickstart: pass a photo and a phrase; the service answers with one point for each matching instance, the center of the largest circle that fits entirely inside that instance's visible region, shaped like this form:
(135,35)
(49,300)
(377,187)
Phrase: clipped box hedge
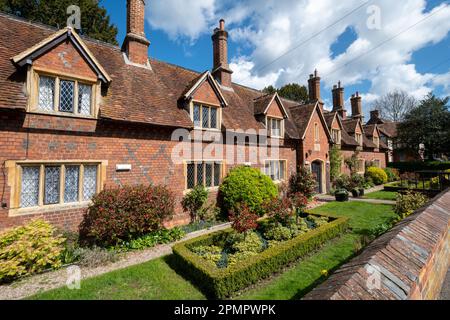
(222,283)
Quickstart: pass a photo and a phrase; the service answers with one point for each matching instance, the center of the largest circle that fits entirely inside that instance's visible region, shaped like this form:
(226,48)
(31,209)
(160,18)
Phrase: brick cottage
(78,115)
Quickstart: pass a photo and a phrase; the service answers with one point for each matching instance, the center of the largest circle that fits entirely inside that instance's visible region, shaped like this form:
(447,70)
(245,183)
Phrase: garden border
(222,283)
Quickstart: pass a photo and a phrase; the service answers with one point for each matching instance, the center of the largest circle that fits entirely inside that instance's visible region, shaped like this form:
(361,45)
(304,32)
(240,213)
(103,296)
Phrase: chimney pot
(338,98)
(314,87)
(356,102)
(222,24)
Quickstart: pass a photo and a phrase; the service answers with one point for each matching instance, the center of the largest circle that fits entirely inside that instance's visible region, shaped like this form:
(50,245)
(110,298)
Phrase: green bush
(29,249)
(342,182)
(251,242)
(392,174)
(194,201)
(409,202)
(222,283)
(152,239)
(377,175)
(278,232)
(123,214)
(248,186)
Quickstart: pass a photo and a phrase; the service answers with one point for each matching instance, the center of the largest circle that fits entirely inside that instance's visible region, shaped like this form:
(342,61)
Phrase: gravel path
(56,279)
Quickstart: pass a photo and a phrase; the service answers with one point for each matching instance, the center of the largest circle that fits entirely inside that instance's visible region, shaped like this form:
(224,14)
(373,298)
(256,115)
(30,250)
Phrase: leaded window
(90,182)
(71,184)
(207,174)
(52,183)
(66,96)
(205,117)
(84,99)
(59,183)
(46,93)
(29,196)
(74,97)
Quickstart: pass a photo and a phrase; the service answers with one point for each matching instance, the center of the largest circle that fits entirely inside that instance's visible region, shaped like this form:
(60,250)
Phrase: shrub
(304,182)
(409,202)
(392,174)
(279,210)
(342,182)
(29,249)
(152,239)
(300,203)
(250,243)
(222,283)
(357,181)
(243,219)
(335,162)
(377,175)
(194,201)
(249,186)
(278,232)
(119,215)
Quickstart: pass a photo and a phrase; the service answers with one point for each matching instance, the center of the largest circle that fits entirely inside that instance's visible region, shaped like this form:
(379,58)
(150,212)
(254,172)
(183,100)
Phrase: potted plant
(341,195)
(361,192)
(355,193)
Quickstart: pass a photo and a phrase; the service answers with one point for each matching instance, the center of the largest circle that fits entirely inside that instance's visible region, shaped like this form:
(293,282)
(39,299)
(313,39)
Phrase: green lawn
(156,280)
(382,195)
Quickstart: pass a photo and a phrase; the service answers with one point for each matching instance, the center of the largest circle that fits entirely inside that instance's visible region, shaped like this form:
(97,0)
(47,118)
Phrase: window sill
(48,209)
(62,114)
(211,189)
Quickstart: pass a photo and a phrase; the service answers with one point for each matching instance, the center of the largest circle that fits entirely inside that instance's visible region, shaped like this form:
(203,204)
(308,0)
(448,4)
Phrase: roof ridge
(55,29)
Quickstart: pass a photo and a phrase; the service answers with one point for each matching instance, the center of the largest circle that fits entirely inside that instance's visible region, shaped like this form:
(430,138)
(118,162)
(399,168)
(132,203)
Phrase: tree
(335,162)
(95,21)
(292,91)
(427,124)
(395,105)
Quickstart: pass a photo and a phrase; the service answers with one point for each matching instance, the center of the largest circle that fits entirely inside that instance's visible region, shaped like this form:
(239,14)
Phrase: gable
(335,125)
(65,59)
(205,93)
(310,131)
(358,129)
(275,110)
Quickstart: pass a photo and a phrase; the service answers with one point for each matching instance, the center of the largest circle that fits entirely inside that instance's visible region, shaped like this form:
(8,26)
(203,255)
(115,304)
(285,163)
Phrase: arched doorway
(317,171)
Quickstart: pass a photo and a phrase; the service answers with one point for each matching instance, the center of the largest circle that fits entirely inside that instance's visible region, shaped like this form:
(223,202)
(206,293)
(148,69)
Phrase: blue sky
(411,40)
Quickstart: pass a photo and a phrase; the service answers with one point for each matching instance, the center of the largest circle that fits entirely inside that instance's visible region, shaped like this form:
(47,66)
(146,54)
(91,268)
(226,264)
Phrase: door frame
(322,183)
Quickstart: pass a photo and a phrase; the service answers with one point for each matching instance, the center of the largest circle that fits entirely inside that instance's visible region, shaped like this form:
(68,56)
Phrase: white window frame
(376,141)
(268,169)
(359,138)
(337,135)
(269,127)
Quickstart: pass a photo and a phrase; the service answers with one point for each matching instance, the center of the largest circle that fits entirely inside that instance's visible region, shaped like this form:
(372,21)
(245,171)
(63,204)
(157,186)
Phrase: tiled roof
(368,143)
(389,129)
(347,140)
(301,116)
(369,129)
(261,103)
(350,125)
(135,94)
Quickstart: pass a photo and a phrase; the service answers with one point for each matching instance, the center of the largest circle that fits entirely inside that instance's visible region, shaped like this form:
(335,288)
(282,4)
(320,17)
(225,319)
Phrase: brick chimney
(314,87)
(375,115)
(356,102)
(221,71)
(338,100)
(136,44)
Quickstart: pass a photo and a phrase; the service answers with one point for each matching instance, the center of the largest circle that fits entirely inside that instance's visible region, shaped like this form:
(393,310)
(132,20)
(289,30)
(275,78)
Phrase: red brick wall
(366,155)
(206,94)
(148,149)
(274,110)
(65,59)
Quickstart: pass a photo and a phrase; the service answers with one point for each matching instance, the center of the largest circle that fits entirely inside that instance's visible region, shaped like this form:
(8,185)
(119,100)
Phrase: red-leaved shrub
(243,219)
(279,210)
(126,213)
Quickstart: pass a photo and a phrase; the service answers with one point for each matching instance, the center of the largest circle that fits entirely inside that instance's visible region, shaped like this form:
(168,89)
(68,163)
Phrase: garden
(273,238)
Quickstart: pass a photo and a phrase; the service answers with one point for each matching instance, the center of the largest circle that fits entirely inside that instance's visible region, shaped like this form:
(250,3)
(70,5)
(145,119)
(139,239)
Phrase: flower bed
(203,258)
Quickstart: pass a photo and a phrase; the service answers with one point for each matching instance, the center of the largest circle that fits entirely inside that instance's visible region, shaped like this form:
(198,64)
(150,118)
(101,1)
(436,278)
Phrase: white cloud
(181,18)
(276,37)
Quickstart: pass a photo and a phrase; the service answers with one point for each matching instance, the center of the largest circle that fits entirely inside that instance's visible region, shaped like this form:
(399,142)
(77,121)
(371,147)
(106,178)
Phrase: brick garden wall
(409,262)
(148,149)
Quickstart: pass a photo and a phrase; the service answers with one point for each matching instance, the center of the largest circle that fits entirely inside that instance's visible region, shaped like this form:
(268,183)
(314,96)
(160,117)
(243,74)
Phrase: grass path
(155,280)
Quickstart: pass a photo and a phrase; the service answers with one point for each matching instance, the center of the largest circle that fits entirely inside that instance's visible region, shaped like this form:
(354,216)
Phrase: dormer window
(336,134)
(67,96)
(358,137)
(376,140)
(205,117)
(275,127)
